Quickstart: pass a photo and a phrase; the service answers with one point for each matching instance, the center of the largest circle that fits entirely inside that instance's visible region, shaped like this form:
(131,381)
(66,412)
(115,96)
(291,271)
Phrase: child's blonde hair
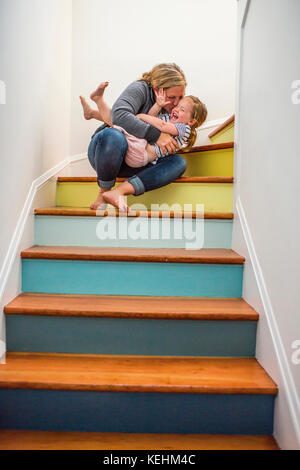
(199,113)
(164,76)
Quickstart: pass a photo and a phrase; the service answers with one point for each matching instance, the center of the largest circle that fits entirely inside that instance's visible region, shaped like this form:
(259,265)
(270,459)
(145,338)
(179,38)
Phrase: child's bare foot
(115,198)
(99,202)
(88,112)
(98,93)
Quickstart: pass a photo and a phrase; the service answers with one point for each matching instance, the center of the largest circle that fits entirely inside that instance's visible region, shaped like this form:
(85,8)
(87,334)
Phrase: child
(189,114)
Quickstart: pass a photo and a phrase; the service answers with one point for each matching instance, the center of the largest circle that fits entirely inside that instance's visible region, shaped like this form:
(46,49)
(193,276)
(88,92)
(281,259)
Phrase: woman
(108,146)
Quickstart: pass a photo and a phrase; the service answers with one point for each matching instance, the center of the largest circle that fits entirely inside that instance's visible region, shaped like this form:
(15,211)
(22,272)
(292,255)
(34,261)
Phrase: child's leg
(89,112)
(104,109)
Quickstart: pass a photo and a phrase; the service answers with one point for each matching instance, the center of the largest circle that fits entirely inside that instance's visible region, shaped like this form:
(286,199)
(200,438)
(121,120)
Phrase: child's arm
(161,101)
(166,127)
(155,110)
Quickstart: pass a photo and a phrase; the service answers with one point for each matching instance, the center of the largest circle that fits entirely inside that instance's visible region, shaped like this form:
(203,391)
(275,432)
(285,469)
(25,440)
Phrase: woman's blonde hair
(164,76)
(199,113)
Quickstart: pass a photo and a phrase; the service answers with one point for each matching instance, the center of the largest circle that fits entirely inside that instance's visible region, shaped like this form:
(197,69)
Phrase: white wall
(35,65)
(267,169)
(118,41)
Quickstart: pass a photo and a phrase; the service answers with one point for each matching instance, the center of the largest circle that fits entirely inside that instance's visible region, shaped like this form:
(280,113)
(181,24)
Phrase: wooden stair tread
(208,148)
(135,374)
(87,212)
(193,308)
(171,255)
(59,440)
(182,179)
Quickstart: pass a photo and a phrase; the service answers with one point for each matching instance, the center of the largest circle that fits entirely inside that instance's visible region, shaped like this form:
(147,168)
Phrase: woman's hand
(166,143)
(161,98)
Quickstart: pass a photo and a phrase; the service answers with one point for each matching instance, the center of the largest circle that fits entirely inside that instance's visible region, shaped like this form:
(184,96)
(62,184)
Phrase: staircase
(136,343)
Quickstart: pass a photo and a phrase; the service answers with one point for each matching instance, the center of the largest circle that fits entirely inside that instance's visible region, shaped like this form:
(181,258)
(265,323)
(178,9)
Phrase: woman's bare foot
(117,199)
(99,202)
(98,93)
(88,112)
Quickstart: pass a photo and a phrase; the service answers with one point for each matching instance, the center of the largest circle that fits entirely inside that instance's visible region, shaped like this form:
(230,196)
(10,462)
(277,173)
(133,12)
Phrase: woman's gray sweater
(137,98)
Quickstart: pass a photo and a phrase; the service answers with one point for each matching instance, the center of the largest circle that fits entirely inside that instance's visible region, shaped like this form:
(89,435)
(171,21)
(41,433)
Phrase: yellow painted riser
(225,135)
(216,197)
(212,163)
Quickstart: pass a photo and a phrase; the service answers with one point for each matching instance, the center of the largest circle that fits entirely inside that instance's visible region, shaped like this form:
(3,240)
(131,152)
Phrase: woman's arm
(135,98)
(163,126)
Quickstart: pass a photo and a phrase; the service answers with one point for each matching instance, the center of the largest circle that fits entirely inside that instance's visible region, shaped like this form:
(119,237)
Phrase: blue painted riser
(131,278)
(130,336)
(136,412)
(108,231)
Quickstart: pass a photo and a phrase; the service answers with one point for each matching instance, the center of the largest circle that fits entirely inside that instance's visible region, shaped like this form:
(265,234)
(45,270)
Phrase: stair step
(214,196)
(182,179)
(180,326)
(210,160)
(209,147)
(207,161)
(120,306)
(135,374)
(86,212)
(50,440)
(65,392)
(139,229)
(132,271)
(174,255)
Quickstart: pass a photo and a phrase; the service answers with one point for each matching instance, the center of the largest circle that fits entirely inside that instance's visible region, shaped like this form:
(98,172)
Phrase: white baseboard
(13,247)
(286,379)
(2,352)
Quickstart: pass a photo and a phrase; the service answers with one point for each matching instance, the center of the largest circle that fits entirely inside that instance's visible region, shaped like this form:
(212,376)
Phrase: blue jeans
(107,152)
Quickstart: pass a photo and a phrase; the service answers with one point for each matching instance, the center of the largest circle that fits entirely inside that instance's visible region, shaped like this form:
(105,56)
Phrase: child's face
(183,112)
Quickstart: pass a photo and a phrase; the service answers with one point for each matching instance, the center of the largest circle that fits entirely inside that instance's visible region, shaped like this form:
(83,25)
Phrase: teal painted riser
(131,278)
(63,410)
(84,231)
(130,336)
